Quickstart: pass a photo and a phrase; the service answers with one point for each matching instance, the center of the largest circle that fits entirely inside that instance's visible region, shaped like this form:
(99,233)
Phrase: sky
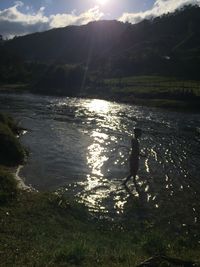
(27,16)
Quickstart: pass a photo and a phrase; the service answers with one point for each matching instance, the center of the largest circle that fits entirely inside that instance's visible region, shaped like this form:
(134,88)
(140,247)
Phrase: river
(82,146)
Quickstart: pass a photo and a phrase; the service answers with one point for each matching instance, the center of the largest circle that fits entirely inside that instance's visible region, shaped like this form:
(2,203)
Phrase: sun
(102,2)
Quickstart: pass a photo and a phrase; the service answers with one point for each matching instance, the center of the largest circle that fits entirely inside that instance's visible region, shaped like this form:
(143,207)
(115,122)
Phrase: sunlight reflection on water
(99,106)
(97,186)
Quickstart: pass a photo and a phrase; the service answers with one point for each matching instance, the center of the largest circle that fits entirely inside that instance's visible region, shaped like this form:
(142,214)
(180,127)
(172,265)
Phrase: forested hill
(167,45)
(70,44)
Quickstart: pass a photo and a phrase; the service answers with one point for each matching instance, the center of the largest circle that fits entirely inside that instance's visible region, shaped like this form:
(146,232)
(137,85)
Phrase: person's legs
(127,179)
(135,183)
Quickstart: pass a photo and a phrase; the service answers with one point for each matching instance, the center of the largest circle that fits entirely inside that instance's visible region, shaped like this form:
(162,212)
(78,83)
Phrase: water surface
(82,146)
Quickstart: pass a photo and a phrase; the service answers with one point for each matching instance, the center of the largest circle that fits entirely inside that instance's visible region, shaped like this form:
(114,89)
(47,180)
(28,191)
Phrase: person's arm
(124,147)
(143,155)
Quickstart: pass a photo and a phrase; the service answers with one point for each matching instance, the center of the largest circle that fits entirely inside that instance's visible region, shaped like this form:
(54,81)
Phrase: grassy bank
(43,229)
(155,85)
(39,229)
(12,87)
(156,91)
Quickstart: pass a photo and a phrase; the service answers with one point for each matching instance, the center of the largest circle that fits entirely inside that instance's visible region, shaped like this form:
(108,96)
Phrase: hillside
(72,44)
(167,45)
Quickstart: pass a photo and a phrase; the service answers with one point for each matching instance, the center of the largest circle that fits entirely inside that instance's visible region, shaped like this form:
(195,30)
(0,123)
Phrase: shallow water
(82,146)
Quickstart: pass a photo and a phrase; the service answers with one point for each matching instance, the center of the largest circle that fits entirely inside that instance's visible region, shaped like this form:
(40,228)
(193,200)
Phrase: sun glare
(102,2)
(99,106)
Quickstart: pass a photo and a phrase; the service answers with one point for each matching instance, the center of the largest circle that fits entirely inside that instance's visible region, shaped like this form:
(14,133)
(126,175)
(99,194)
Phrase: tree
(1,39)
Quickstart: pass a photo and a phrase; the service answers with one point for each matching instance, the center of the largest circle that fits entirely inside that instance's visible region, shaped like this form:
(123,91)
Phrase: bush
(60,80)
(8,186)
(11,151)
(8,120)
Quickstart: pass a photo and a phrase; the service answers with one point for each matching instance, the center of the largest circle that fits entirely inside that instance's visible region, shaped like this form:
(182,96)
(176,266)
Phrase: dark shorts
(134,165)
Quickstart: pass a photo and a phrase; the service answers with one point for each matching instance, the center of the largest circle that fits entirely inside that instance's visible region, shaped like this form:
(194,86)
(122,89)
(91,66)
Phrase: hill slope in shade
(167,45)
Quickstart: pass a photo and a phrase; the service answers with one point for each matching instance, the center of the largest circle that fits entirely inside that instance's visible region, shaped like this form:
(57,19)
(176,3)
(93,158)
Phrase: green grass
(153,84)
(38,231)
(14,86)
(157,91)
(165,103)
(43,229)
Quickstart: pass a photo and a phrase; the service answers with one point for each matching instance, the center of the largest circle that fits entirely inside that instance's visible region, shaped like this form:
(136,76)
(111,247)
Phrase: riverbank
(13,87)
(12,154)
(166,104)
(46,229)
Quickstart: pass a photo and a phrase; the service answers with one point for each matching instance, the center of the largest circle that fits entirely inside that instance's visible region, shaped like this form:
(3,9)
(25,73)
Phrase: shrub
(11,151)
(8,186)
(8,120)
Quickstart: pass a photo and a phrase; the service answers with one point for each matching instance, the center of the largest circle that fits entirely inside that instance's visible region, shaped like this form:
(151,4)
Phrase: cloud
(15,22)
(160,7)
(61,20)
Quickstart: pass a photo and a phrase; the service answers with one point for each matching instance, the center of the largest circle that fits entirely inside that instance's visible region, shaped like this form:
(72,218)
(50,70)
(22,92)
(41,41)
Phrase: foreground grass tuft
(74,253)
(155,244)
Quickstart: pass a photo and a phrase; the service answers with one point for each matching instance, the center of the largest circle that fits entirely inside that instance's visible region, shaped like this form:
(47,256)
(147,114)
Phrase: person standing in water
(134,156)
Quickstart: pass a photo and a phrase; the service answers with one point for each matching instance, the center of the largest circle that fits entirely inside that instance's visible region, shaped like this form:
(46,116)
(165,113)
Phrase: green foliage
(12,67)
(8,120)
(8,186)
(60,79)
(11,151)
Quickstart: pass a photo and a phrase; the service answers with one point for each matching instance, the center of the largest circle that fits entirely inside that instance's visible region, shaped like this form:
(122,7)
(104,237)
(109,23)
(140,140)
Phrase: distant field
(156,91)
(153,85)
(13,86)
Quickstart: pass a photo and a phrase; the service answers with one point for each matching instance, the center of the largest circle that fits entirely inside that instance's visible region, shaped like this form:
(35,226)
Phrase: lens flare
(102,2)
